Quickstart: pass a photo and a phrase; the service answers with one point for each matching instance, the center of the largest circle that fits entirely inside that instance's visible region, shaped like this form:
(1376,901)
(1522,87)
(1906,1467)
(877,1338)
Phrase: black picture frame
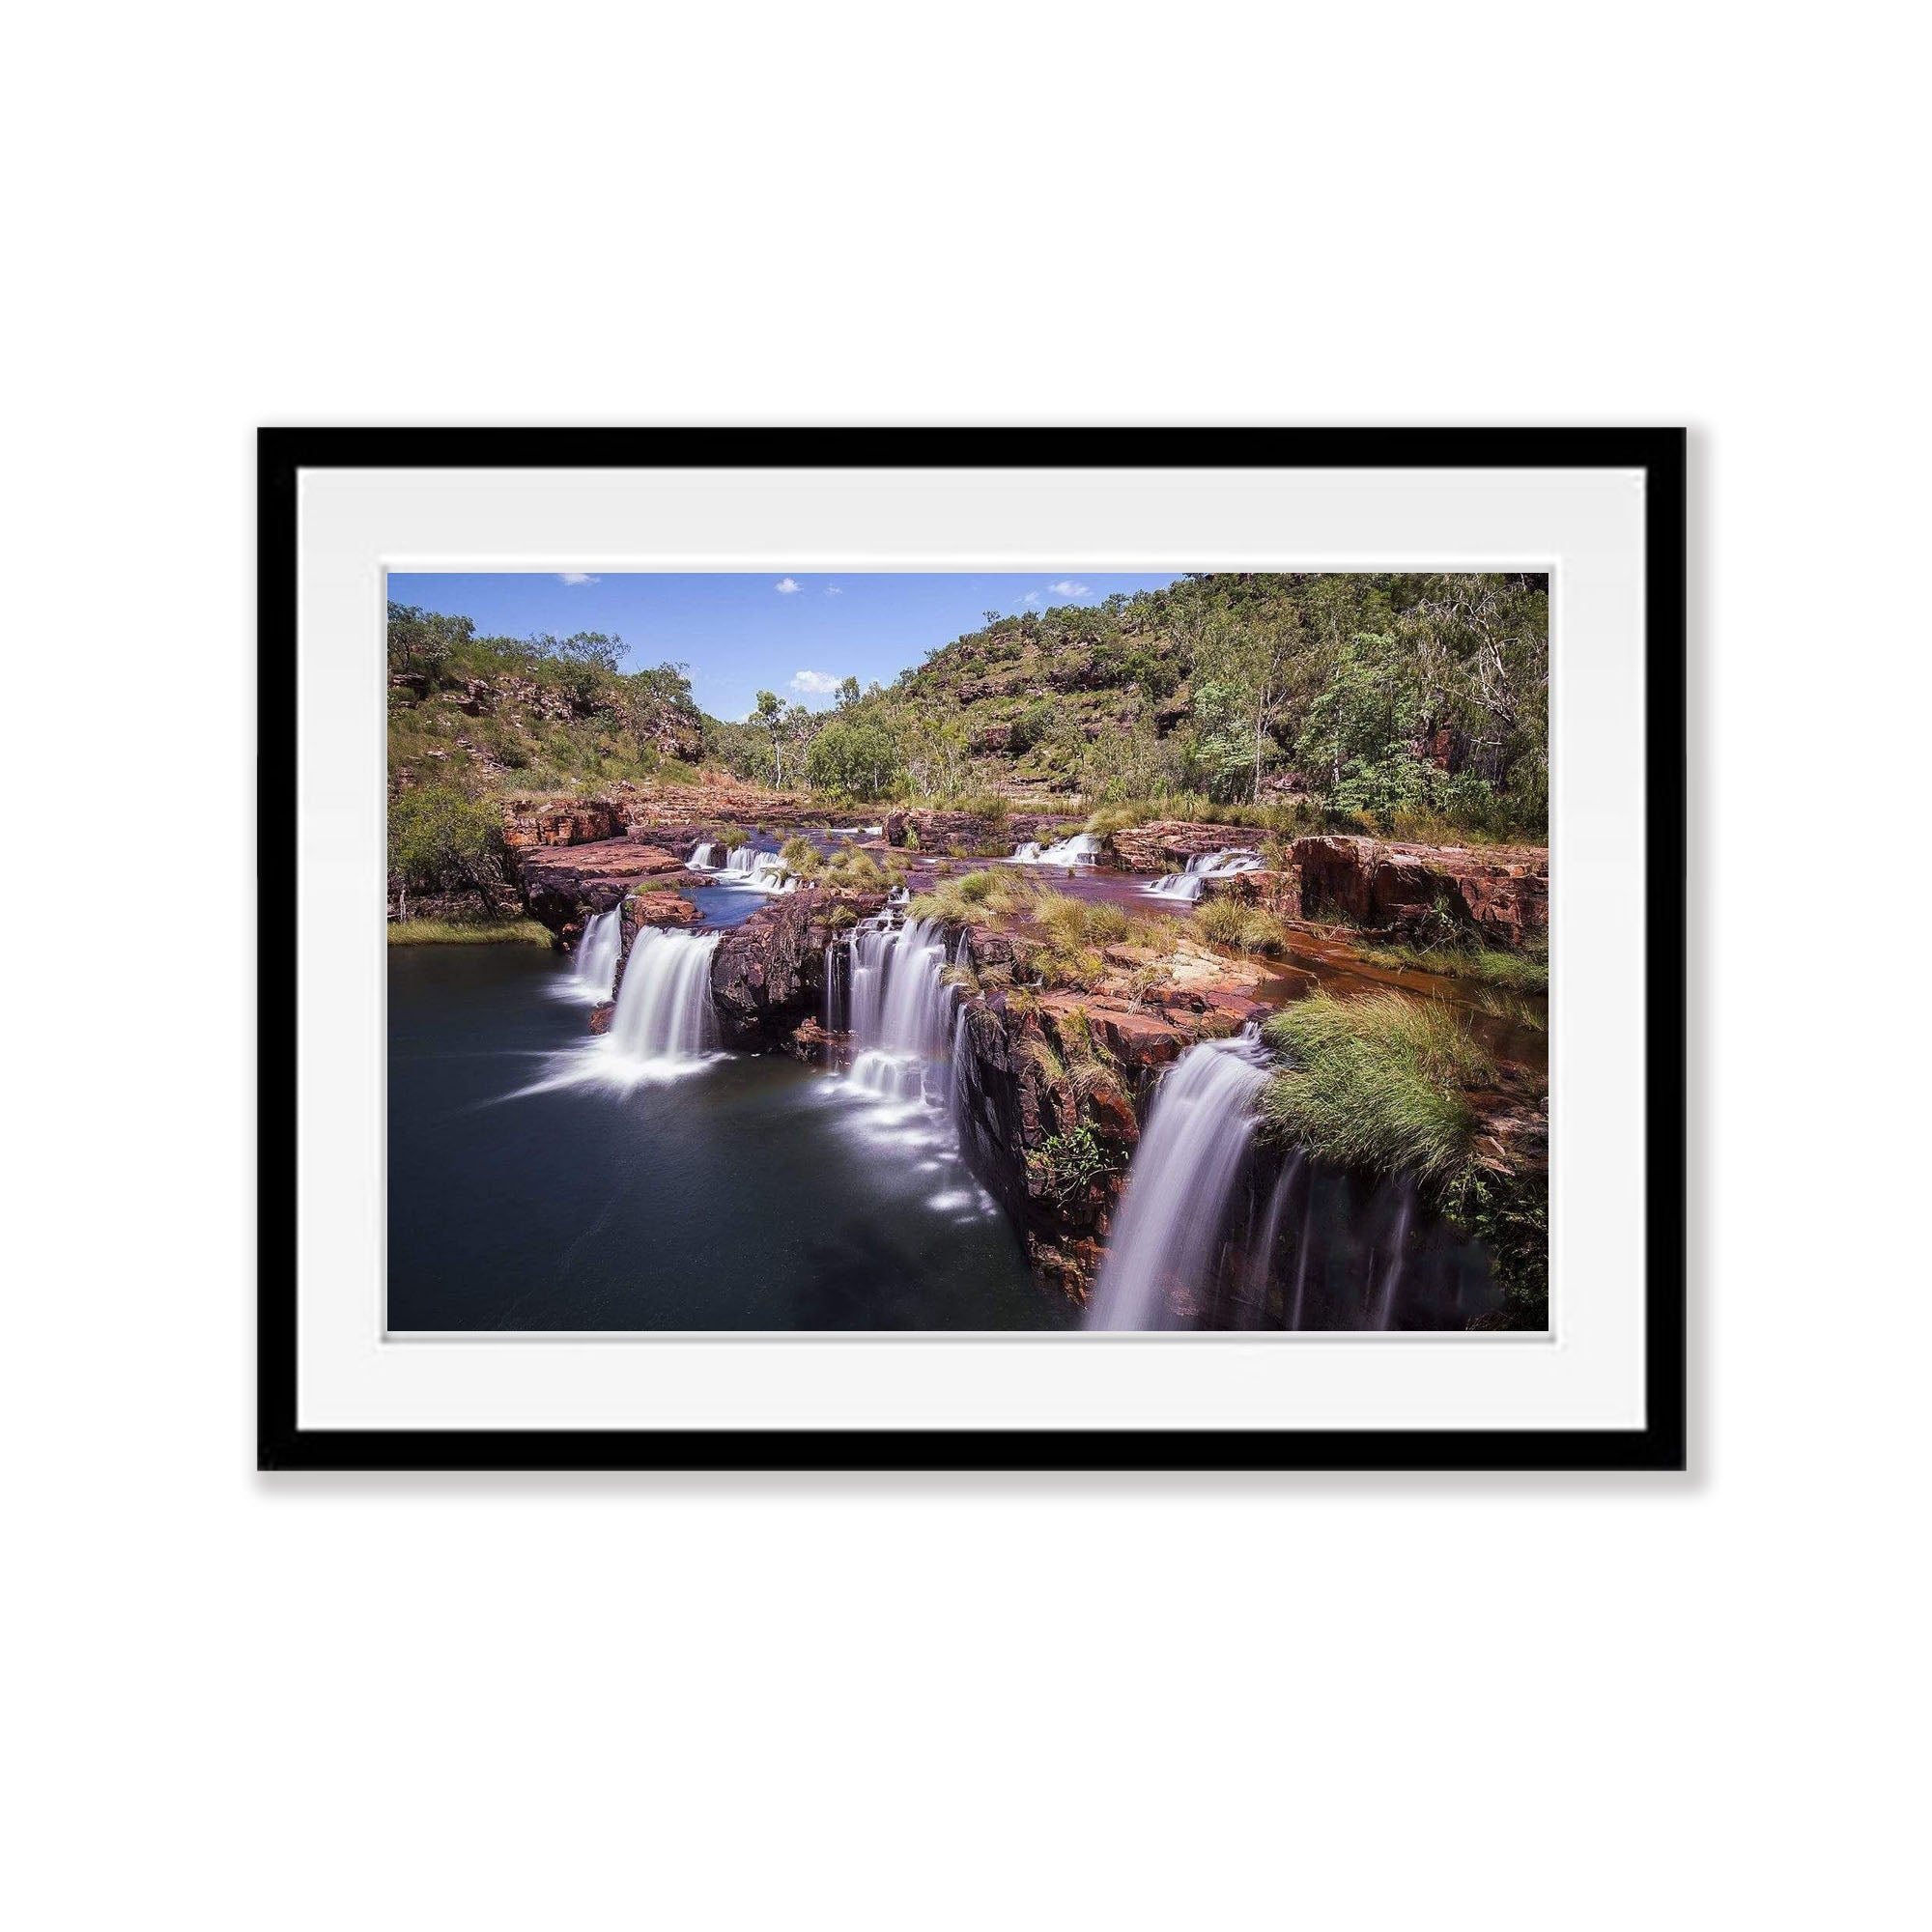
(1661,1444)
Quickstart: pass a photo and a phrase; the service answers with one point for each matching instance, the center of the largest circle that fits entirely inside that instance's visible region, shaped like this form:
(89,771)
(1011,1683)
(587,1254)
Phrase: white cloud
(832,590)
(785,586)
(577,577)
(1066,587)
(1032,599)
(815,683)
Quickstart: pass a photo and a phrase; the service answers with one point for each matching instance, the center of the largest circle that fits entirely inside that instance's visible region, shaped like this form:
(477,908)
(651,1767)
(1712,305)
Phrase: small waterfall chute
(664,1000)
(902,1007)
(1082,849)
(594,971)
(1222,864)
(704,857)
(1169,1229)
(756,870)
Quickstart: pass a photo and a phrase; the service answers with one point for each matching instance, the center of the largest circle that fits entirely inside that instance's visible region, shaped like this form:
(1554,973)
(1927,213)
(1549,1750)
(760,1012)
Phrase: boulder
(659,908)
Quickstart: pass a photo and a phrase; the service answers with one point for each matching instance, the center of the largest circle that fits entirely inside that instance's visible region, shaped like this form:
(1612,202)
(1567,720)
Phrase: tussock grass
(1285,820)
(1376,1083)
(468,932)
(1240,928)
(1061,936)
(1525,972)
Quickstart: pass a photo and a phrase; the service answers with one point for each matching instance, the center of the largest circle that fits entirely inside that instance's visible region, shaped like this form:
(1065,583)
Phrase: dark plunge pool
(527,1191)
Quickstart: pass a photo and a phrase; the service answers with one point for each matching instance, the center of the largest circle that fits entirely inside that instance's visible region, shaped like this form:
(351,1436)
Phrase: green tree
(422,643)
(444,841)
(857,759)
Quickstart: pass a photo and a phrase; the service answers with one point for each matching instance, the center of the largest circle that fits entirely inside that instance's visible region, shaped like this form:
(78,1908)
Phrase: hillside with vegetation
(1405,705)
(1406,700)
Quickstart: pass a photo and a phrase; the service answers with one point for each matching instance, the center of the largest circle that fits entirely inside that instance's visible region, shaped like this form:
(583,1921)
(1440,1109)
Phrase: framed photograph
(970,949)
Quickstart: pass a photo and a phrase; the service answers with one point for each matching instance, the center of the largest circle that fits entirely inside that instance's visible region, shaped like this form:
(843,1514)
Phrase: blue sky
(740,634)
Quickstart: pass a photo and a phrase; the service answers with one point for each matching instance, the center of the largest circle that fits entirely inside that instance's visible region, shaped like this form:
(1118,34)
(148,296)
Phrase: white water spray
(760,871)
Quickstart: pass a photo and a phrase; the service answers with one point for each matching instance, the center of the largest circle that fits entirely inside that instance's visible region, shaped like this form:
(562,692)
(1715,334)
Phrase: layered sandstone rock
(562,887)
(1502,892)
(1166,844)
(577,822)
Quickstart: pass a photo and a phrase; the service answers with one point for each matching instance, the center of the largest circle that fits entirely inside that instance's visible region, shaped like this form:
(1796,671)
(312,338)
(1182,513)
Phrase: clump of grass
(1511,972)
(1240,928)
(1285,820)
(801,861)
(975,897)
(468,932)
(1378,1084)
(1525,972)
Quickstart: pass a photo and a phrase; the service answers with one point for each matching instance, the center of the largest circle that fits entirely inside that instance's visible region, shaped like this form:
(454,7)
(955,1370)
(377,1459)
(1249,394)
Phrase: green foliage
(990,805)
(801,861)
(1378,1083)
(1510,1214)
(1067,1164)
(443,840)
(1030,726)
(1385,695)
(854,759)
(1466,958)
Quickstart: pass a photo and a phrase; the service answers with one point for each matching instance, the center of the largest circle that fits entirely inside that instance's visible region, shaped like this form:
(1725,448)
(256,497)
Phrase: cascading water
(704,857)
(1178,1185)
(664,1000)
(761,871)
(1082,849)
(836,963)
(1222,864)
(595,969)
(901,1007)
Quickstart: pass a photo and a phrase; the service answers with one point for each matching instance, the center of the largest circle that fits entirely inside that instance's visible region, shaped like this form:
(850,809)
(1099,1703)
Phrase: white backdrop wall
(1504,1703)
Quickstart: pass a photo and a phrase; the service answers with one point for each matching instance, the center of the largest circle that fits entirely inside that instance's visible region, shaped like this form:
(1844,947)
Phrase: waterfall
(761,871)
(664,1000)
(1082,849)
(1223,864)
(1260,1270)
(836,962)
(597,951)
(1169,1226)
(901,1017)
(704,857)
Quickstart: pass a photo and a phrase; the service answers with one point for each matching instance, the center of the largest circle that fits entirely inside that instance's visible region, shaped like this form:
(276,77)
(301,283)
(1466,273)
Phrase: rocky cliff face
(575,822)
(768,975)
(1166,844)
(1052,1090)
(1502,892)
